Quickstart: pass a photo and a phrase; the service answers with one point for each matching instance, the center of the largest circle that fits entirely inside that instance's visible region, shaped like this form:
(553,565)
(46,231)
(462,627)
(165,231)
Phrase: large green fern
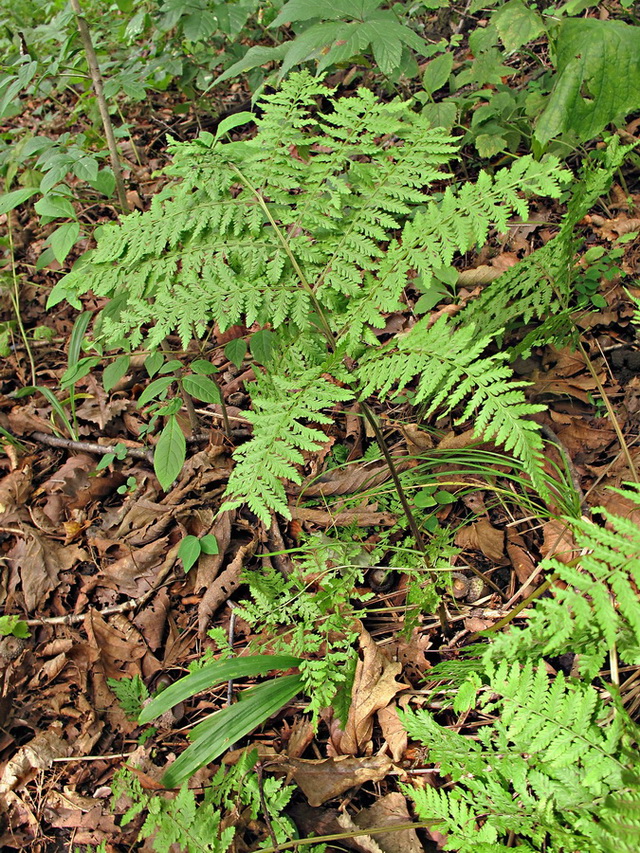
(314,226)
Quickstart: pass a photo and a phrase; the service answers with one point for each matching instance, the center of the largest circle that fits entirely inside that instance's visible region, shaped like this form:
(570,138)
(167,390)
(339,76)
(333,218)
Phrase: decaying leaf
(39,563)
(393,731)
(224,585)
(34,756)
(385,812)
(329,777)
(558,541)
(15,488)
(482,536)
(374,686)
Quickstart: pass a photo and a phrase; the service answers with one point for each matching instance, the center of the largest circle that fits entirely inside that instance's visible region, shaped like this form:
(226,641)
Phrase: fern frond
(281,405)
(449,367)
(541,769)
(599,607)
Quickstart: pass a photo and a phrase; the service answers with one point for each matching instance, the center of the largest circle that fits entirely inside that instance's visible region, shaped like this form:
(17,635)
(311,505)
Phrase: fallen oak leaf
(327,778)
(374,686)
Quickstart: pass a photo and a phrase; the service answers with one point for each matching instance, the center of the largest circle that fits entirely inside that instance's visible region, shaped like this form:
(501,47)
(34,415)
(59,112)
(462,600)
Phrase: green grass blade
(230,724)
(210,675)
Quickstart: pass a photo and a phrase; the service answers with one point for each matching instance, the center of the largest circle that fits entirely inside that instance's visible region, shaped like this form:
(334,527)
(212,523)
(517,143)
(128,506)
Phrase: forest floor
(90,562)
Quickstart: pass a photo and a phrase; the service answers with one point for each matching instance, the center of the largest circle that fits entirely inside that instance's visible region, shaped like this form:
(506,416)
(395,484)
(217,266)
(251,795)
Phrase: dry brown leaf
(517,552)
(134,574)
(366,843)
(385,812)
(364,516)
(558,541)
(393,731)
(482,536)
(34,756)
(224,585)
(418,439)
(118,652)
(354,479)
(329,777)
(484,274)
(374,686)
(15,488)
(39,563)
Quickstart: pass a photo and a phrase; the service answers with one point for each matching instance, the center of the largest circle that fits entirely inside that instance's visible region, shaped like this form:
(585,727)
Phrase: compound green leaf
(598,78)
(170,453)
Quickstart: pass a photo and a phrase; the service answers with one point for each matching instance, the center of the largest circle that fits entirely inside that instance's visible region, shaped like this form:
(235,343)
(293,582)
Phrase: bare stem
(96,78)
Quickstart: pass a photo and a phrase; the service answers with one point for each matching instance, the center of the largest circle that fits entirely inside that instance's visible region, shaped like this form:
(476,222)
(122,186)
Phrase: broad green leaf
(386,46)
(517,24)
(210,675)
(153,362)
(442,114)
(255,56)
(63,239)
(598,78)
(209,544)
(86,169)
(437,72)
(104,182)
(170,366)
(232,122)
(235,351)
(199,25)
(227,726)
(55,206)
(304,10)
(201,388)
(261,346)
(170,453)
(114,372)
(9,201)
(202,366)
(154,389)
(189,551)
(488,145)
(77,371)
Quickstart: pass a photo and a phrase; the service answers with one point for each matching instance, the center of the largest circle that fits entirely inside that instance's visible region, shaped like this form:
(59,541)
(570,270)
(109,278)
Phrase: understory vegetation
(320,504)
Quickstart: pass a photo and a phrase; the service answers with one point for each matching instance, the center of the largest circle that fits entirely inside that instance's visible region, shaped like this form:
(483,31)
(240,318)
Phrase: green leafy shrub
(319,246)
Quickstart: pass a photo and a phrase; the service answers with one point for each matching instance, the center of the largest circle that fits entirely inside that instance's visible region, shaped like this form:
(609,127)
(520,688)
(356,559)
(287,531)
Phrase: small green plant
(215,734)
(13,626)
(241,233)
(192,547)
(131,693)
(235,796)
(555,762)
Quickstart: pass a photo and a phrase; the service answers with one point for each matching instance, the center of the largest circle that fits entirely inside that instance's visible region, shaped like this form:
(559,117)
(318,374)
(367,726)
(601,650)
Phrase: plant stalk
(96,78)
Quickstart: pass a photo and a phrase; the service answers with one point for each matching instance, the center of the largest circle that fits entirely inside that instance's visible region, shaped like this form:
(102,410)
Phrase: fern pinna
(314,227)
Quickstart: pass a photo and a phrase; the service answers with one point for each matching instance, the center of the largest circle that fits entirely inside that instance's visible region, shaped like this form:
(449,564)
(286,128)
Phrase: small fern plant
(315,227)
(554,761)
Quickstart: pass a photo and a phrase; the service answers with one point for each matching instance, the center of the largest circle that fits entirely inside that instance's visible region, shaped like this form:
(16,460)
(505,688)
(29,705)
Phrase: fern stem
(411,519)
(518,608)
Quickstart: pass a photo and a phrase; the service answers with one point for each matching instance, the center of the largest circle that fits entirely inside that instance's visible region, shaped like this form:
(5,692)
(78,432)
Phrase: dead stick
(96,78)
